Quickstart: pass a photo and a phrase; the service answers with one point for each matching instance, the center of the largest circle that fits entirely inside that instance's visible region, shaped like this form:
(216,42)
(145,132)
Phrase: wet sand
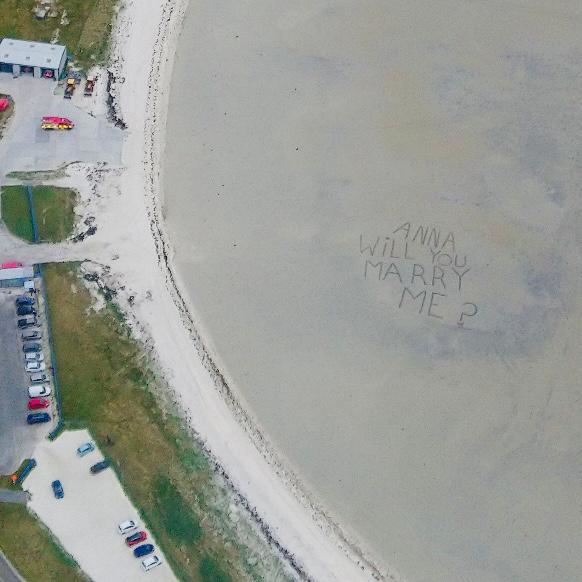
(375,211)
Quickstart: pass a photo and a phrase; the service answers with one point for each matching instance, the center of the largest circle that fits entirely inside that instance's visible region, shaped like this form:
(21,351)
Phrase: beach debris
(45,8)
(93,277)
(83,235)
(112,108)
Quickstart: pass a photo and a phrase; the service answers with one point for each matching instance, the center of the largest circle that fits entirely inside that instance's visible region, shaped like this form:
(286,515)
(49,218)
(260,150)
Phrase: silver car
(150,563)
(35,366)
(39,391)
(38,377)
(126,526)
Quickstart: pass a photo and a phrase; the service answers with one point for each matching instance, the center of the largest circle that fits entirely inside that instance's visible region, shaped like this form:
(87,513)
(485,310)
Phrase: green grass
(179,520)
(86,35)
(210,571)
(32,550)
(54,212)
(15,212)
(106,391)
(53,209)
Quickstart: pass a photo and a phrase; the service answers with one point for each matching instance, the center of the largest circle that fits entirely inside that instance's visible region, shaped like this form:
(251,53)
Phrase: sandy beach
(374,220)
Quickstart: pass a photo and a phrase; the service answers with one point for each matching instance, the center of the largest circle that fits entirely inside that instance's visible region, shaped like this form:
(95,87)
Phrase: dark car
(25,310)
(31,335)
(38,417)
(136,538)
(100,466)
(143,550)
(31,347)
(23,300)
(58,489)
(26,322)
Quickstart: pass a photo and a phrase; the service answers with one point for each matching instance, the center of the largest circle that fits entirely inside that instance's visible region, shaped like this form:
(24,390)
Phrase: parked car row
(34,363)
(130,529)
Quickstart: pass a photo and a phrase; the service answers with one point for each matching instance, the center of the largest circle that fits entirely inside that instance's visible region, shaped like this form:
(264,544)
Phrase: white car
(126,526)
(34,357)
(35,366)
(150,563)
(38,391)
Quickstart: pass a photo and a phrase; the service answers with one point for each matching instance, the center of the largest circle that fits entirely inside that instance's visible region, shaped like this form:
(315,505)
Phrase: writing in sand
(424,266)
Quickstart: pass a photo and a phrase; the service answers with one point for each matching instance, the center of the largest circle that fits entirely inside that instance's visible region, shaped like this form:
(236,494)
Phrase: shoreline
(290,521)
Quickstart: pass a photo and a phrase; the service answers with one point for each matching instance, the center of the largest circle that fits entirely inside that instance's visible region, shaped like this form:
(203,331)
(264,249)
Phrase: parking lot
(26,146)
(85,520)
(17,438)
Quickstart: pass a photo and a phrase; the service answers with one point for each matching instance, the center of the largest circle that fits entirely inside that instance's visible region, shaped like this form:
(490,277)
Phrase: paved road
(7,572)
(8,496)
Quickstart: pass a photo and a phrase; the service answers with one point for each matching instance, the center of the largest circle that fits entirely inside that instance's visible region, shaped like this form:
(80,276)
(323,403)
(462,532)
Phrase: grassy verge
(32,550)
(106,388)
(53,209)
(84,26)
(15,212)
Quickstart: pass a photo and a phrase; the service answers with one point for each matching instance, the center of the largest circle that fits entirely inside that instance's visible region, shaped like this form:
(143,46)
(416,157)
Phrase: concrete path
(8,496)
(7,571)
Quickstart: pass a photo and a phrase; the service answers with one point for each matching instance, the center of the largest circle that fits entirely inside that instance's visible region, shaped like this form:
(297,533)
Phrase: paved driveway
(85,520)
(13,496)
(27,147)
(17,439)
(7,572)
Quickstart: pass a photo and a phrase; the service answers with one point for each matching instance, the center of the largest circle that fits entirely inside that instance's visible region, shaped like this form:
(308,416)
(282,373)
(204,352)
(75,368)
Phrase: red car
(52,122)
(136,538)
(36,403)
(10,265)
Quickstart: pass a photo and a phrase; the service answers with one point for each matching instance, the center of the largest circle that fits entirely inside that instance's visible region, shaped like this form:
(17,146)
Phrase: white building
(40,59)
(16,277)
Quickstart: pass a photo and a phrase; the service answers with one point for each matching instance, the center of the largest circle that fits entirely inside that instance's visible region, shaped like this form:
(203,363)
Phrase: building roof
(30,53)
(17,273)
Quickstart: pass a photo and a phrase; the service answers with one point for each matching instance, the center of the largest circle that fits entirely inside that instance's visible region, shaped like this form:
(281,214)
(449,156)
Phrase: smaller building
(40,59)
(16,277)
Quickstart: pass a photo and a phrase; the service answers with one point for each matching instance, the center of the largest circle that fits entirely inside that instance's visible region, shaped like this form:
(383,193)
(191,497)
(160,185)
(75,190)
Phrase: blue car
(85,449)
(143,550)
(23,300)
(58,489)
(38,417)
